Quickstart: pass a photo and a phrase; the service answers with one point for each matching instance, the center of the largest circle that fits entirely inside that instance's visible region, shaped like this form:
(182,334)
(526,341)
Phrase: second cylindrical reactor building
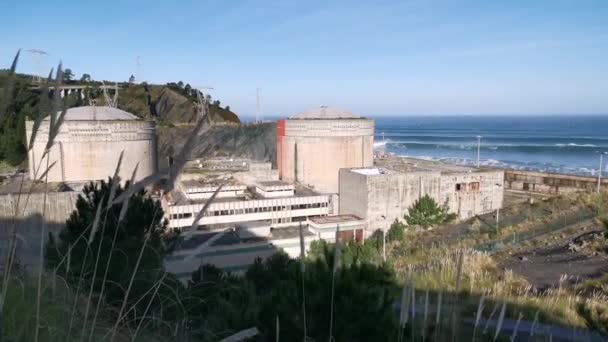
(313,146)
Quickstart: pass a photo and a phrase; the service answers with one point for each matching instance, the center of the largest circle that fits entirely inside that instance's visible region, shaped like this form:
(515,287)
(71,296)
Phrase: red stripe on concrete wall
(280,135)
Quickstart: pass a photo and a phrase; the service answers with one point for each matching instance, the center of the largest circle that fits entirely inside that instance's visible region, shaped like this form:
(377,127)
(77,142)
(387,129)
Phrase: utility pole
(384,245)
(478,148)
(599,173)
(138,74)
(258,112)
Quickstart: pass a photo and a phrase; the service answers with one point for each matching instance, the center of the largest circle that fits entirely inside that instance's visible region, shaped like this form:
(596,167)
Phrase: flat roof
(290,232)
(334,219)
(372,171)
(274,183)
(203,183)
(407,164)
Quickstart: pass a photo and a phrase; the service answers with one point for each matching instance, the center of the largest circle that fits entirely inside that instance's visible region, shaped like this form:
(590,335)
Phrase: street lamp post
(478,148)
(599,173)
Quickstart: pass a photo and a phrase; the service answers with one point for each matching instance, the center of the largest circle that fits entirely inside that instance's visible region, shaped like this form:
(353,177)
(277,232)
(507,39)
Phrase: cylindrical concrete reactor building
(89,143)
(313,146)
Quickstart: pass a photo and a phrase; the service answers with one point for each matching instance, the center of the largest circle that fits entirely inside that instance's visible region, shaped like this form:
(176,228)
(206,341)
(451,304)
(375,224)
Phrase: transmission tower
(38,55)
(203,103)
(110,102)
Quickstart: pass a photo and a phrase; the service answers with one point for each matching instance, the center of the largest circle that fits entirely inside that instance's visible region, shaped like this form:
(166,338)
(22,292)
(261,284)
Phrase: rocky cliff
(254,141)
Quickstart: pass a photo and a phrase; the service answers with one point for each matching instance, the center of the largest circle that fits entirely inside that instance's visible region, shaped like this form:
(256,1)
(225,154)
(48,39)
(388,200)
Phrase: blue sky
(371,57)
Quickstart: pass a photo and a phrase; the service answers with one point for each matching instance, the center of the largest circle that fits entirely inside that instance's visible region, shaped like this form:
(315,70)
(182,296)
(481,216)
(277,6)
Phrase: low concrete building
(380,195)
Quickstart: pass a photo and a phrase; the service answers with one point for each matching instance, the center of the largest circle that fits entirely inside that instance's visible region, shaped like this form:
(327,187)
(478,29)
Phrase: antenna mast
(38,55)
(258,113)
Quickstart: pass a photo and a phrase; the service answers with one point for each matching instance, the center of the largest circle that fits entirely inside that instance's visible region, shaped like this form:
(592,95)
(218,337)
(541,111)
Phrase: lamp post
(599,173)
(478,148)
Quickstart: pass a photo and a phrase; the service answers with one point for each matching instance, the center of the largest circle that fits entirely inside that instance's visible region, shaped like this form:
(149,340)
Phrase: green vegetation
(425,212)
(397,231)
(100,249)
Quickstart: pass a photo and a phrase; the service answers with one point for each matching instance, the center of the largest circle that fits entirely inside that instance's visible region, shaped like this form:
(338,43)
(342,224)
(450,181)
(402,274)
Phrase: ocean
(559,144)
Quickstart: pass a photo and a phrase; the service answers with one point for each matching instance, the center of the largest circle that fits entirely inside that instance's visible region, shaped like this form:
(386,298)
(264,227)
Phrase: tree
(227,107)
(361,290)
(86,78)
(132,79)
(219,304)
(426,212)
(68,75)
(180,84)
(118,243)
(396,232)
(188,89)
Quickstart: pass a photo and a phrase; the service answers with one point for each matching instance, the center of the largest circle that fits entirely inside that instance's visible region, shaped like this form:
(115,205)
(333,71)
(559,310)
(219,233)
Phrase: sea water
(561,144)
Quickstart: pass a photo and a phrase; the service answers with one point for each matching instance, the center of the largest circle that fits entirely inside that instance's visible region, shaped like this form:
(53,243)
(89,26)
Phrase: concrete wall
(59,205)
(550,183)
(382,198)
(469,201)
(89,150)
(313,151)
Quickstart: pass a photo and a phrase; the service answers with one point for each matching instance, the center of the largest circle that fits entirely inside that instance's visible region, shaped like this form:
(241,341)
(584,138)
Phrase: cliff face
(176,114)
(254,141)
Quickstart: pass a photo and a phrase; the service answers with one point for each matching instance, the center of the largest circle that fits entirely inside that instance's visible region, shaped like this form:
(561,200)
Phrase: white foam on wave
(575,145)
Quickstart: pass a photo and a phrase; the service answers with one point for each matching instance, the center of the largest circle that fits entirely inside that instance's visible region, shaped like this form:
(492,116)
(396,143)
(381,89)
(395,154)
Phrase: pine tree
(426,212)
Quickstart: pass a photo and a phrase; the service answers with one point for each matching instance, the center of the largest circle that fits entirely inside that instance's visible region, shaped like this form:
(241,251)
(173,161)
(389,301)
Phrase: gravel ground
(544,266)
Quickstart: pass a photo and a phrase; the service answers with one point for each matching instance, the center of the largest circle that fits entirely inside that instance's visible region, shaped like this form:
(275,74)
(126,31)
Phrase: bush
(397,231)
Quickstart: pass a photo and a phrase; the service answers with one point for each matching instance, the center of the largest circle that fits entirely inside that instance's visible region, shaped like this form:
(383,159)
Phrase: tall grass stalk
(157,287)
(438,315)
(12,246)
(501,318)
(302,275)
(42,234)
(84,263)
(121,216)
(480,308)
(426,314)
(336,269)
(137,263)
(91,239)
(520,316)
(113,186)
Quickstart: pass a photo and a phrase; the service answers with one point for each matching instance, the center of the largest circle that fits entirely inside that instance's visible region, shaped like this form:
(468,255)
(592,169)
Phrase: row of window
(253,210)
(473,186)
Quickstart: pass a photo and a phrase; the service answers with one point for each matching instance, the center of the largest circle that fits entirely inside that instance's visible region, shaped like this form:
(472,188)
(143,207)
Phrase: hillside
(170,105)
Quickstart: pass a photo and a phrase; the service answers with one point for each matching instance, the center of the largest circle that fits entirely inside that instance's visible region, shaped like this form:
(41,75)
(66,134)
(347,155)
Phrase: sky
(375,58)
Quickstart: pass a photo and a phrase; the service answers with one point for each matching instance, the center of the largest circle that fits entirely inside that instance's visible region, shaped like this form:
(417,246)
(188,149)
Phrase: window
(461,187)
(474,186)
